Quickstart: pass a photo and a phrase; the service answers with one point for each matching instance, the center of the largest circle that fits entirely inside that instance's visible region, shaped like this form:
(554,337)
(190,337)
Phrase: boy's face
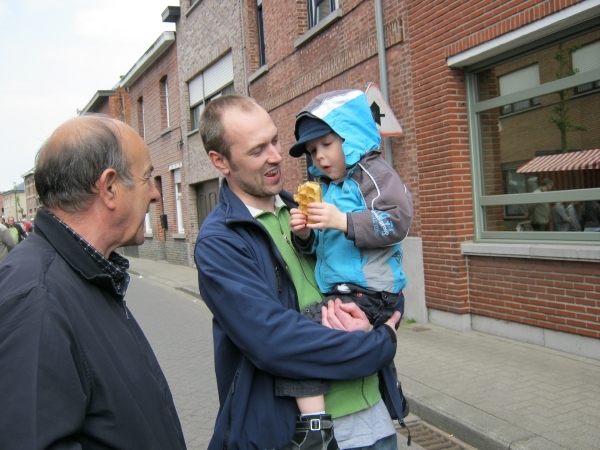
(327,154)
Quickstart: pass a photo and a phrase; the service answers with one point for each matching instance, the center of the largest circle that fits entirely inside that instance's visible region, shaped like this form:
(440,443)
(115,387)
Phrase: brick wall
(558,295)
(205,32)
(550,294)
(165,149)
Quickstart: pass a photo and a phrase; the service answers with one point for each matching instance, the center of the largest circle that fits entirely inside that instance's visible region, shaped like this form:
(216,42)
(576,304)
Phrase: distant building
(14,202)
(32,202)
(153,87)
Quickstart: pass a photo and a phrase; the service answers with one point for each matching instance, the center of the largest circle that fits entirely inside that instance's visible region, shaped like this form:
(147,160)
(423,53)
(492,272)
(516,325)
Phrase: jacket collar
(236,210)
(57,236)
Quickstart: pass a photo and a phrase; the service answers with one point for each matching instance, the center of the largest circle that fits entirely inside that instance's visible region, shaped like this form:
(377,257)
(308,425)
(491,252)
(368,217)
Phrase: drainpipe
(244,49)
(383,80)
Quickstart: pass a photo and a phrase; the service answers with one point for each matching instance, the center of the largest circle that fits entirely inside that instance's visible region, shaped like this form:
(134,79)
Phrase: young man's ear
(107,186)
(220,162)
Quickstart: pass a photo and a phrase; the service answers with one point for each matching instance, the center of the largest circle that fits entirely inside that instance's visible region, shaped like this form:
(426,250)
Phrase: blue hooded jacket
(377,203)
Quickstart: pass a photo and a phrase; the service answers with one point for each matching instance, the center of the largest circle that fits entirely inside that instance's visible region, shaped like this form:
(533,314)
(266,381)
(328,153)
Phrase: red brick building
(493,97)
(154,103)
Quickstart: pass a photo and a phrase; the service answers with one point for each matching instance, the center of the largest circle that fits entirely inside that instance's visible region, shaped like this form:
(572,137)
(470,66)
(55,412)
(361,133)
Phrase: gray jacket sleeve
(7,239)
(388,216)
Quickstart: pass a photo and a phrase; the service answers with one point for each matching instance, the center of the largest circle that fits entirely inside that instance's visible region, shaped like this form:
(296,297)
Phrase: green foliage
(560,112)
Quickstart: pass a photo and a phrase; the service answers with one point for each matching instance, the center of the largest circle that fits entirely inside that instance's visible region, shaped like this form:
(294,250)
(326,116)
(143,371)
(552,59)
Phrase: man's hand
(326,215)
(345,316)
(298,224)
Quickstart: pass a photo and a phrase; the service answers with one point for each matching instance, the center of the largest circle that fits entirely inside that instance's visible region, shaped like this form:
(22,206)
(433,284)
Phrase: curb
(471,425)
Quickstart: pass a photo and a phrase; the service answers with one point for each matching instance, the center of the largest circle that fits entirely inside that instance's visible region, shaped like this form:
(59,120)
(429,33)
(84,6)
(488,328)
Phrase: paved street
(179,328)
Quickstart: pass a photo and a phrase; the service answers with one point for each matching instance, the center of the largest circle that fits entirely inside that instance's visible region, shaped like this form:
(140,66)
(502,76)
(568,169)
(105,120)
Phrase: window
(261,34)
(319,9)
(519,80)
(148,223)
(528,127)
(164,107)
(587,58)
(141,121)
(178,200)
(215,81)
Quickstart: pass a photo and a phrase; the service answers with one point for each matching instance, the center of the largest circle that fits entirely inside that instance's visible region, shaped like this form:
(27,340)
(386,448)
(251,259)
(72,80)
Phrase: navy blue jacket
(76,371)
(258,333)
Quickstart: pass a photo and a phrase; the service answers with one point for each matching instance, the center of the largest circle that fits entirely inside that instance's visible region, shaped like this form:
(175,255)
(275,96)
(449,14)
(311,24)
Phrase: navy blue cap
(307,129)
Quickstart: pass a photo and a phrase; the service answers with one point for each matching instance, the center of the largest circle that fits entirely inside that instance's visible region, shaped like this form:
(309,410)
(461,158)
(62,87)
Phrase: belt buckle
(315,424)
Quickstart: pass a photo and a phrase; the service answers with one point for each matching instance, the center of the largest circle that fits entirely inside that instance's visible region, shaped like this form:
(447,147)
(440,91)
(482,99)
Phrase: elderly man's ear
(107,186)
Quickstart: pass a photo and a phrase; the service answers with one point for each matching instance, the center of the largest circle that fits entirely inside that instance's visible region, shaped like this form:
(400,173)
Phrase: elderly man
(77,370)
(253,281)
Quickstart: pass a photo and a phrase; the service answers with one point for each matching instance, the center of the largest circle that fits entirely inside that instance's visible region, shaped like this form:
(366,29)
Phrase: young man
(16,230)
(253,290)
(356,232)
(77,370)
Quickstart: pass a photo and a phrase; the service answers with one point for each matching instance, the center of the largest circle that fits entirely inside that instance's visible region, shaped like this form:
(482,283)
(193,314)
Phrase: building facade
(155,113)
(32,202)
(494,98)
(14,202)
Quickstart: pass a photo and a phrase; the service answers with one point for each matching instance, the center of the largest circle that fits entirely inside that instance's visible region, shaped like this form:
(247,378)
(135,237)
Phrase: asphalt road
(179,329)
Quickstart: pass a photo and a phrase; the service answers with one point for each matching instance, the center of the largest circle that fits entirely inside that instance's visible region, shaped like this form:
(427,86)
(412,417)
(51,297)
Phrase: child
(366,213)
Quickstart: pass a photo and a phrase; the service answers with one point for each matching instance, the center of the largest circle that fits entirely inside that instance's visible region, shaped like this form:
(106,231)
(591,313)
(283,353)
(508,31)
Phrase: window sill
(533,251)
(318,28)
(166,131)
(514,113)
(178,236)
(193,132)
(192,7)
(258,73)
(148,235)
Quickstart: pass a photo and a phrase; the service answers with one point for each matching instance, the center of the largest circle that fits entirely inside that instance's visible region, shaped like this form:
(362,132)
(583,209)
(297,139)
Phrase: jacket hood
(347,112)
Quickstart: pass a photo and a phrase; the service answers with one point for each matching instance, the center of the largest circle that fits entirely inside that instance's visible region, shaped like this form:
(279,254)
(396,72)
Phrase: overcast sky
(54,56)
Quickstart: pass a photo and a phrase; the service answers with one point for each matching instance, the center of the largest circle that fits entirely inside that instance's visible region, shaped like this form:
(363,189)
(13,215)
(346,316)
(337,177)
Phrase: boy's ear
(220,162)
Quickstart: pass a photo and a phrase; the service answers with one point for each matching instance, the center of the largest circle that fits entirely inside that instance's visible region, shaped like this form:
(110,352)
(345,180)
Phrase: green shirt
(346,397)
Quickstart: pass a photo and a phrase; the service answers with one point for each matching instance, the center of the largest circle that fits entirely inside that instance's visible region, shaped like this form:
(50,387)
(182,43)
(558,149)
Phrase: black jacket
(76,369)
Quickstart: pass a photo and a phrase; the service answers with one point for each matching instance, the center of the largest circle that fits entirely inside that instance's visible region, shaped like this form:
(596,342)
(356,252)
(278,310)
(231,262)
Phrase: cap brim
(299,147)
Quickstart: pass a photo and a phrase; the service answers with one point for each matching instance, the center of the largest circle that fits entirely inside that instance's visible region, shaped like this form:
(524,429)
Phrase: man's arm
(43,391)
(242,297)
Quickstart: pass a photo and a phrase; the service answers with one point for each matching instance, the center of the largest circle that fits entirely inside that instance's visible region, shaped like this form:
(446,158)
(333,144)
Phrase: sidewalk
(490,392)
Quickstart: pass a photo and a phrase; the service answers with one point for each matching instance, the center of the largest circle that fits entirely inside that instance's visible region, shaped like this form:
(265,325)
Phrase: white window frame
(166,93)
(315,8)
(178,200)
(148,223)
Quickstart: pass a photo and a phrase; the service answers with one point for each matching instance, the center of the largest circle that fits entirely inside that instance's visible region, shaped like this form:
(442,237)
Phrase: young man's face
(253,168)
(327,154)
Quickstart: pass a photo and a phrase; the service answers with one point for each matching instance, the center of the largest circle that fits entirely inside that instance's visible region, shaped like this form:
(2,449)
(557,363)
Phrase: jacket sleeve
(7,239)
(42,383)
(241,290)
(388,216)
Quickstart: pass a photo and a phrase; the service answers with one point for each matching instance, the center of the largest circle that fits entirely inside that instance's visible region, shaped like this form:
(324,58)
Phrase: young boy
(356,232)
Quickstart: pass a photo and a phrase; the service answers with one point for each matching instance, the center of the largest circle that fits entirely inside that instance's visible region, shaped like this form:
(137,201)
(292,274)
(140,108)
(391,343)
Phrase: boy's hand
(298,224)
(326,215)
